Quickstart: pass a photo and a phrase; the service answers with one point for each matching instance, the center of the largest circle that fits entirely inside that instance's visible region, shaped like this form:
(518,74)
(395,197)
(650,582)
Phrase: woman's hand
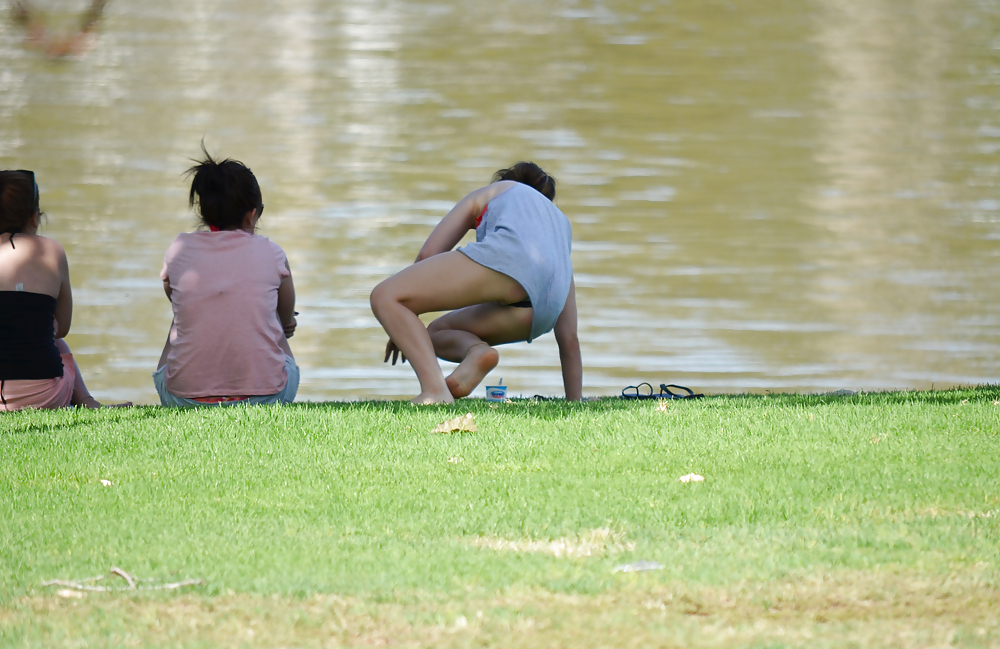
(290,328)
(390,348)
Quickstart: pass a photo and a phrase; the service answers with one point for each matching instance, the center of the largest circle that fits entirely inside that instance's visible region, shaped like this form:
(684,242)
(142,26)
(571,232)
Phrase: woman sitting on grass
(37,369)
(514,283)
(233,300)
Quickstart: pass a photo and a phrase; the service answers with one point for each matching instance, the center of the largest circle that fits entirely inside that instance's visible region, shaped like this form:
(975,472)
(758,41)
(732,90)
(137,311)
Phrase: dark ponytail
(18,200)
(531,175)
(225,191)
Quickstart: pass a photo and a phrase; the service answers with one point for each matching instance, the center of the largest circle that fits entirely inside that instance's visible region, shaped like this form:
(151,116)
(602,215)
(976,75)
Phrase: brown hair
(531,175)
(225,191)
(18,200)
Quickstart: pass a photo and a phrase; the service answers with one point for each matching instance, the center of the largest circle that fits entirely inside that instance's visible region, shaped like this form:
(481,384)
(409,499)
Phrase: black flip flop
(666,393)
(636,392)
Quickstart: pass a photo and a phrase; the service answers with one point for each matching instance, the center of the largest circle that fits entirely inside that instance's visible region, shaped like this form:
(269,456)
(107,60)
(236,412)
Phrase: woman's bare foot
(478,362)
(427,398)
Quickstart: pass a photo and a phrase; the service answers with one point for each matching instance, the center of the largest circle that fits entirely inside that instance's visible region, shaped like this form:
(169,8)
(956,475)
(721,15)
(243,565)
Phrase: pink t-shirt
(225,336)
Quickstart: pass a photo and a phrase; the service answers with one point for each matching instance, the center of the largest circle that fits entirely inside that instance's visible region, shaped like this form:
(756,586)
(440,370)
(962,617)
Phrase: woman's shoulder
(183,237)
(43,246)
(271,242)
(481,197)
(266,243)
(280,258)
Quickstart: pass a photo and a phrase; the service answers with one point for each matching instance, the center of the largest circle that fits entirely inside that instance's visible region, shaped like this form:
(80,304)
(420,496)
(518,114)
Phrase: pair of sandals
(636,392)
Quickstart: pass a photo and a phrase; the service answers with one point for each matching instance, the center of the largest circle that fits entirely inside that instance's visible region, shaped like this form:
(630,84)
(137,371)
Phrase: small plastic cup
(496,392)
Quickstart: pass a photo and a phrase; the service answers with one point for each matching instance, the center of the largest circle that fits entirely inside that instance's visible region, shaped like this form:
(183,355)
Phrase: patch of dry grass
(844,609)
(593,543)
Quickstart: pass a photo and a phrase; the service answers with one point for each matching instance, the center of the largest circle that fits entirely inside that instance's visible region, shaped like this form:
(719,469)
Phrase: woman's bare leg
(81,395)
(467,336)
(441,283)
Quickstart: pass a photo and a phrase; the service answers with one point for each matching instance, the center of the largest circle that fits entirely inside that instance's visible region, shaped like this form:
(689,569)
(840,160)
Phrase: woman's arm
(569,347)
(286,303)
(64,301)
(461,219)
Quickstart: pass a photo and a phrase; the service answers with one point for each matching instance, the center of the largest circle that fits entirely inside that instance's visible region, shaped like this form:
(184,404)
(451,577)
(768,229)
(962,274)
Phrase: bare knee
(382,295)
(437,326)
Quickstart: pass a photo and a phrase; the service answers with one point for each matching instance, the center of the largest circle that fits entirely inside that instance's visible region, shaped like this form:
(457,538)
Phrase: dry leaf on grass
(662,407)
(464,423)
(106,483)
(692,477)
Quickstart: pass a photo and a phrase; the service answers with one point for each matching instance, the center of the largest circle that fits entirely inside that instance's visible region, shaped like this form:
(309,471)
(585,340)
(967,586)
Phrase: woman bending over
(37,369)
(513,284)
(233,300)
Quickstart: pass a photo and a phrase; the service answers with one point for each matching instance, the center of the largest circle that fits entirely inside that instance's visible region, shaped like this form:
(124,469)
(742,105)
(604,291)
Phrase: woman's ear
(36,220)
(250,221)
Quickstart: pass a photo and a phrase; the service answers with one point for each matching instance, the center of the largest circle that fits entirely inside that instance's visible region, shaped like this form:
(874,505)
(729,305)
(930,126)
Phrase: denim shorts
(286,395)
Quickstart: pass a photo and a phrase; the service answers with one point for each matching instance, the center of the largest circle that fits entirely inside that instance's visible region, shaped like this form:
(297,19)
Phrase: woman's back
(226,336)
(32,274)
(523,235)
(31,263)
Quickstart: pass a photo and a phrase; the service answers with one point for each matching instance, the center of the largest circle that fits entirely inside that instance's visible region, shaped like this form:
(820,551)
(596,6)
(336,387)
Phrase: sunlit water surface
(770,195)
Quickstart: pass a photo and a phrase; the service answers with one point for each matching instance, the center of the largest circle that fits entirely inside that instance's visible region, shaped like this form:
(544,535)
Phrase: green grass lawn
(871,520)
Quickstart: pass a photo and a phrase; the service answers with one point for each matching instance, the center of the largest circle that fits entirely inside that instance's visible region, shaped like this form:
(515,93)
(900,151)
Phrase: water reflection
(766,196)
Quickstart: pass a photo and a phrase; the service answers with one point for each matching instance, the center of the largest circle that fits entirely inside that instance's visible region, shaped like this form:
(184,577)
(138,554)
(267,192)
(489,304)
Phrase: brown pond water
(770,195)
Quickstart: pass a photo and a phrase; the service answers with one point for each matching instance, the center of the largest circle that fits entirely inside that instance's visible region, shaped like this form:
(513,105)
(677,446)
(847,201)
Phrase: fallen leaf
(106,483)
(662,407)
(692,477)
(69,594)
(455,460)
(464,423)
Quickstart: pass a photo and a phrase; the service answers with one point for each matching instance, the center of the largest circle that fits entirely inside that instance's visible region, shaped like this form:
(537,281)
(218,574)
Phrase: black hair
(225,191)
(18,200)
(531,175)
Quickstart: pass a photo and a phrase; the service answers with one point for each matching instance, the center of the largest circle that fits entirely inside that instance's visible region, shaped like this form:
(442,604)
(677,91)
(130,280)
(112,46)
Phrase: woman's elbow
(568,341)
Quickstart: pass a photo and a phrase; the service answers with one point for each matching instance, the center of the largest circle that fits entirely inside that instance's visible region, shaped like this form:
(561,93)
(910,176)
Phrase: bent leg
(81,395)
(467,336)
(441,283)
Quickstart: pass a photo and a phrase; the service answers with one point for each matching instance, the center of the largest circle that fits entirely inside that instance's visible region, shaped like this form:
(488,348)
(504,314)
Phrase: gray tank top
(525,236)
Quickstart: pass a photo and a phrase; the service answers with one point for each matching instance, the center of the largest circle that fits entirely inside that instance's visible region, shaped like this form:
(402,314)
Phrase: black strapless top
(27,337)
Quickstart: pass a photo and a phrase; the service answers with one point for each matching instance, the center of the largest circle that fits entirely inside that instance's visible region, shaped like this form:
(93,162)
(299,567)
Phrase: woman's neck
(214,229)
